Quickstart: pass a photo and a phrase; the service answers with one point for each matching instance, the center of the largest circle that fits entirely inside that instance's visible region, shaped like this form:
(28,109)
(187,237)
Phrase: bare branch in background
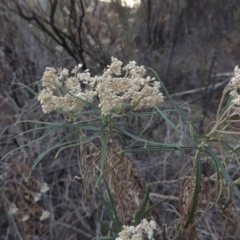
(64,22)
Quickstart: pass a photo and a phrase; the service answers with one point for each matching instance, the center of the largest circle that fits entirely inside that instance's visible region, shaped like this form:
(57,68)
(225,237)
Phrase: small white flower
(64,72)
(36,196)
(45,215)
(44,188)
(25,218)
(12,209)
(153,224)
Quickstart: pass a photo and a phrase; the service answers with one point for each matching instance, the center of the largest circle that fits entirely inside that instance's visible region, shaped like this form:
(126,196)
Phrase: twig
(191,91)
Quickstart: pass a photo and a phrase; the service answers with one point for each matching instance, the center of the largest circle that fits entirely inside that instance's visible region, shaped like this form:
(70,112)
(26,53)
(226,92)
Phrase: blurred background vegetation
(192,45)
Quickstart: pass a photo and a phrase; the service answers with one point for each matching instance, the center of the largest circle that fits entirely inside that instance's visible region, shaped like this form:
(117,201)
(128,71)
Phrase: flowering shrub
(121,91)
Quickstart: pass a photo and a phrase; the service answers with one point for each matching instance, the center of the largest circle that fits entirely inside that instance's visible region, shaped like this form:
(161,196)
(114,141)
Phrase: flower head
(50,79)
(136,233)
(133,89)
(66,91)
(235,85)
(68,94)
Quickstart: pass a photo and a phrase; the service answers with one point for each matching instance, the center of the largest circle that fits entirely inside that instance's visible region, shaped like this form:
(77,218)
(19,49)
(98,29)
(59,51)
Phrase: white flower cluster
(63,91)
(235,86)
(114,90)
(136,233)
